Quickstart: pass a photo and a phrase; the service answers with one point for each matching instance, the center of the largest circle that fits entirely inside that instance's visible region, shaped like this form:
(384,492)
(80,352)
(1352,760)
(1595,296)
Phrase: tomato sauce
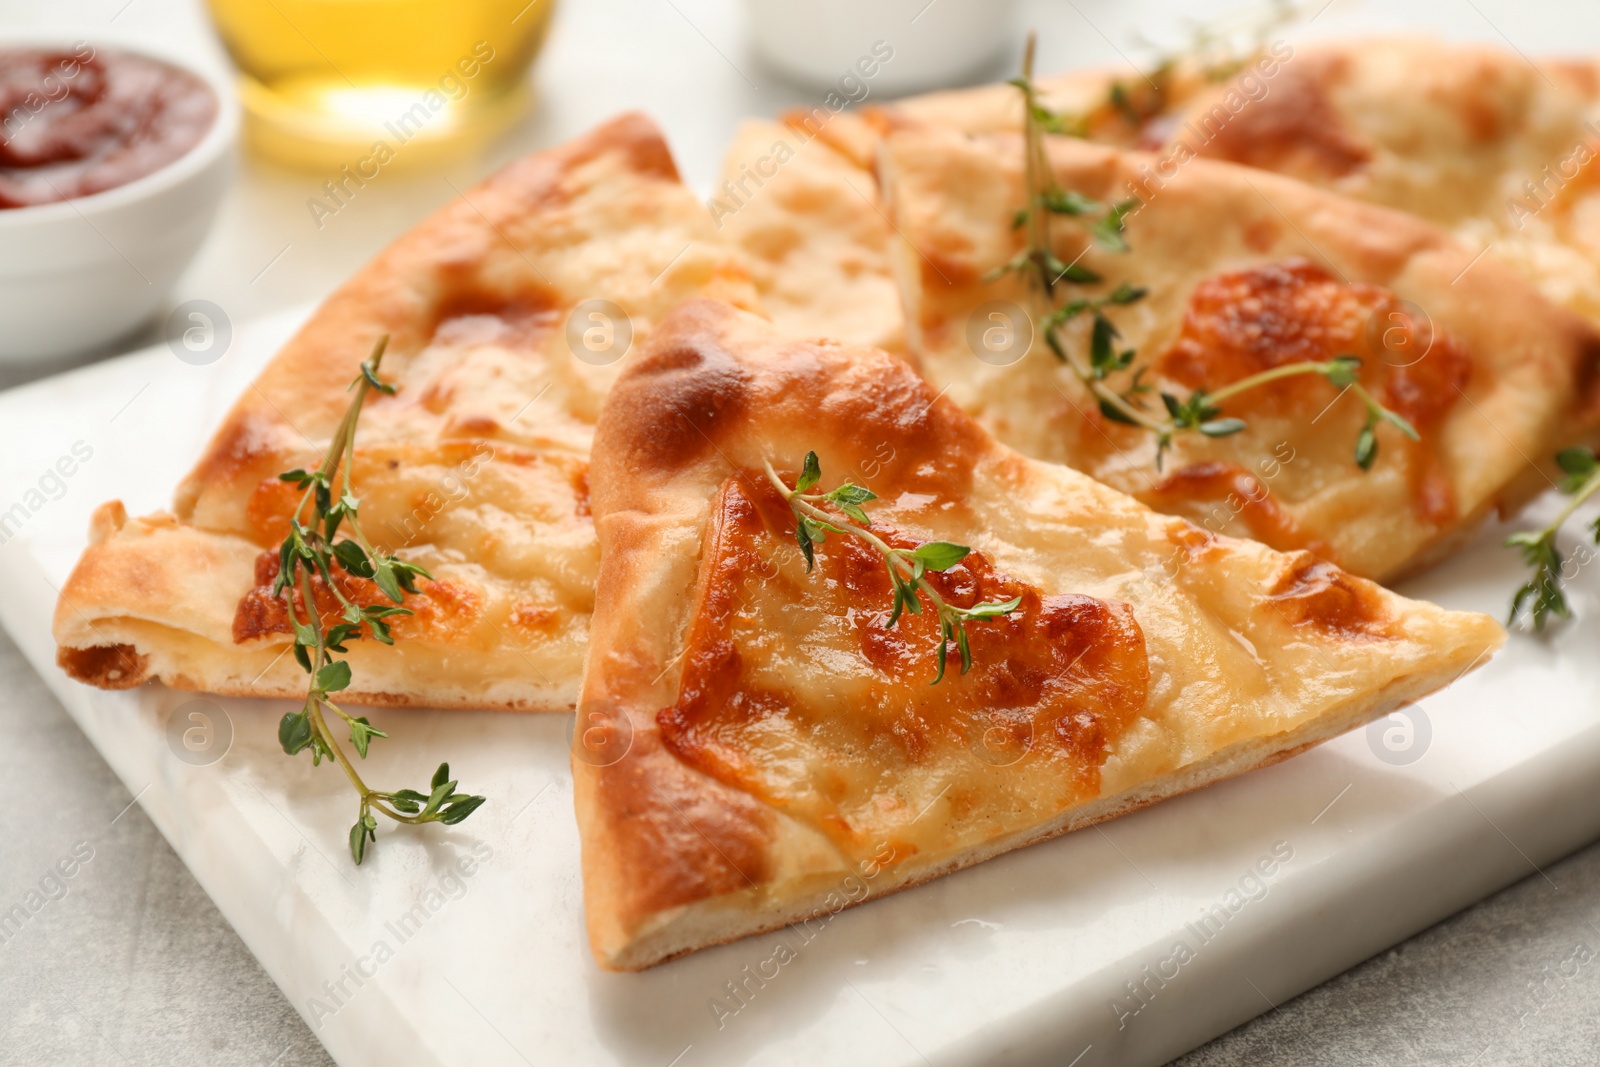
(78,122)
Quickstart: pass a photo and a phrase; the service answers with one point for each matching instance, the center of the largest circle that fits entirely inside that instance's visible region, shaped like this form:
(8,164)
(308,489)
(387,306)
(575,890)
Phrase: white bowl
(81,273)
(842,44)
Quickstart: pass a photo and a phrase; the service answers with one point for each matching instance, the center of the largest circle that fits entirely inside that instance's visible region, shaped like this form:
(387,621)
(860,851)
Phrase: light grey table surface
(134,964)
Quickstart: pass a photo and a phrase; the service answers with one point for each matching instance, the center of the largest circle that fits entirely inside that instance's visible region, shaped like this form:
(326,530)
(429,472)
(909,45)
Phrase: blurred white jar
(933,43)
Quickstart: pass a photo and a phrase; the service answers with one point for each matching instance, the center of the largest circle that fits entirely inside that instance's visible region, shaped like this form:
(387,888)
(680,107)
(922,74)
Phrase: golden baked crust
(476,468)
(704,819)
(1247,270)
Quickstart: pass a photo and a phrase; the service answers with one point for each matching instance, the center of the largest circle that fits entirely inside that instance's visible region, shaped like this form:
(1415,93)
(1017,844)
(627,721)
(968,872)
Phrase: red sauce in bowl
(78,122)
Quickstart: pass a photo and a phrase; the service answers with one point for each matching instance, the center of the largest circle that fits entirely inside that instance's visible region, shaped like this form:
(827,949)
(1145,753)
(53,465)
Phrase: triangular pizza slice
(1476,139)
(509,313)
(1221,277)
(757,734)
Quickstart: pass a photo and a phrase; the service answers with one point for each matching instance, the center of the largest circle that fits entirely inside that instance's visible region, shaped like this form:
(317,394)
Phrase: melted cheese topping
(477,469)
(795,690)
(502,350)
(1231,291)
(1244,322)
(1469,137)
(808,220)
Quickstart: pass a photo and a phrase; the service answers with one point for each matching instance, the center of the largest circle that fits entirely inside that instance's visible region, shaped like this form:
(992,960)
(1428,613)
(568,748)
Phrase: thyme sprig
(310,553)
(1212,50)
(1038,263)
(907,567)
(1542,593)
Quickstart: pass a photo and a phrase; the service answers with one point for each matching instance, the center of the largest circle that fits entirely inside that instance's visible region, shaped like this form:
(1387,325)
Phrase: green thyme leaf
(383,575)
(802,536)
(849,497)
(1542,593)
(441,792)
(1394,419)
(353,558)
(1064,314)
(990,610)
(1102,357)
(337,635)
(1107,231)
(1114,413)
(370,373)
(907,568)
(851,493)
(1366,447)
(332,677)
(1220,427)
(1067,202)
(365,829)
(1343,371)
(810,475)
(899,605)
(940,555)
(1019,263)
(460,808)
(1580,461)
(407,573)
(408,801)
(294,732)
(361,734)
(304,633)
(1072,272)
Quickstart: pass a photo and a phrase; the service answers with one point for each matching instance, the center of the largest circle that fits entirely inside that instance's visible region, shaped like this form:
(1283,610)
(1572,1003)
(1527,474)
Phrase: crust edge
(720,921)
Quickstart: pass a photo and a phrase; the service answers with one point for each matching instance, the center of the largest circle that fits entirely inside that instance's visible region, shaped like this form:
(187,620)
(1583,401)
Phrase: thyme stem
(907,567)
(309,553)
(1043,271)
(1543,589)
(892,556)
